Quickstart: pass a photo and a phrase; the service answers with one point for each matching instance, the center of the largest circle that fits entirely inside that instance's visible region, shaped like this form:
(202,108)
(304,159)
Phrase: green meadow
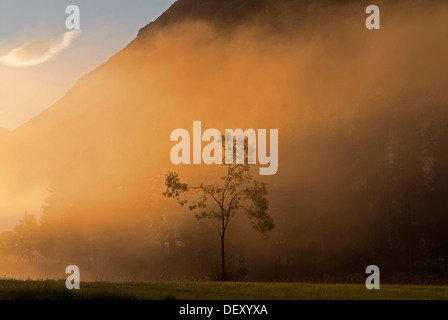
(56,290)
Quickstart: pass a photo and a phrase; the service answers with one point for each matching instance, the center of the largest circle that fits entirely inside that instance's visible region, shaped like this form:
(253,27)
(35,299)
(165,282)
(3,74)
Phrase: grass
(55,290)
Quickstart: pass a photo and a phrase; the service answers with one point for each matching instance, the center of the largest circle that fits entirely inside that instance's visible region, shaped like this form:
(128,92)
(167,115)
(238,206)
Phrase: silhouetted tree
(238,192)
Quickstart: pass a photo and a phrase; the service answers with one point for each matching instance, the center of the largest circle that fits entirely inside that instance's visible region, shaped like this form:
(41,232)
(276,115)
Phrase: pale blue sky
(107,27)
(17,15)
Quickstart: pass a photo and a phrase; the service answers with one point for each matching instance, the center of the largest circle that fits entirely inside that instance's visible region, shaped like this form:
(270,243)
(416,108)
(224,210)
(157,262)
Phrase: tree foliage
(237,192)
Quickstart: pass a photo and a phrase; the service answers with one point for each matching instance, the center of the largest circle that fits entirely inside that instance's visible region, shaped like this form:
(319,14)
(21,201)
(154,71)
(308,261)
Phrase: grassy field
(55,290)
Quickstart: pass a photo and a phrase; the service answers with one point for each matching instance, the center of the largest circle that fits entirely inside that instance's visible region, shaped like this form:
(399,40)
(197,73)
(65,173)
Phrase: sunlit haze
(357,121)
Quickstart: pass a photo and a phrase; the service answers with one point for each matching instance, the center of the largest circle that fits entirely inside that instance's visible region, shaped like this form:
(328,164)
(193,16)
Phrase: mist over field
(363,165)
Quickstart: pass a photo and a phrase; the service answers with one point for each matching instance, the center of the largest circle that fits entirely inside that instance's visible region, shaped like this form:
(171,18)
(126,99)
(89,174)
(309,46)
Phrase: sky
(30,85)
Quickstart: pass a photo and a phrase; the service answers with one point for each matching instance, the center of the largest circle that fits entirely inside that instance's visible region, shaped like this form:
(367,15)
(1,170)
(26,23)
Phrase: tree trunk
(223,259)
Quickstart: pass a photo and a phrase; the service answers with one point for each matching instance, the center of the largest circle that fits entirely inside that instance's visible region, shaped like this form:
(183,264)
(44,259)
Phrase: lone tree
(237,192)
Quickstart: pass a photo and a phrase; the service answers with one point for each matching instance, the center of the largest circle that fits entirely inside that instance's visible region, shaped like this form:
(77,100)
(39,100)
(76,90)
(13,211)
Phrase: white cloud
(38,52)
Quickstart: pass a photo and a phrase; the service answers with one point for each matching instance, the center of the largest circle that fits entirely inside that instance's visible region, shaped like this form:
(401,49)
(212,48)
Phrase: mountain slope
(227,63)
(105,103)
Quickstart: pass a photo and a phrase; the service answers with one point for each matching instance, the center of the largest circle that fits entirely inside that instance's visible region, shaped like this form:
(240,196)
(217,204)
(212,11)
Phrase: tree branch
(207,191)
(227,185)
(230,206)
